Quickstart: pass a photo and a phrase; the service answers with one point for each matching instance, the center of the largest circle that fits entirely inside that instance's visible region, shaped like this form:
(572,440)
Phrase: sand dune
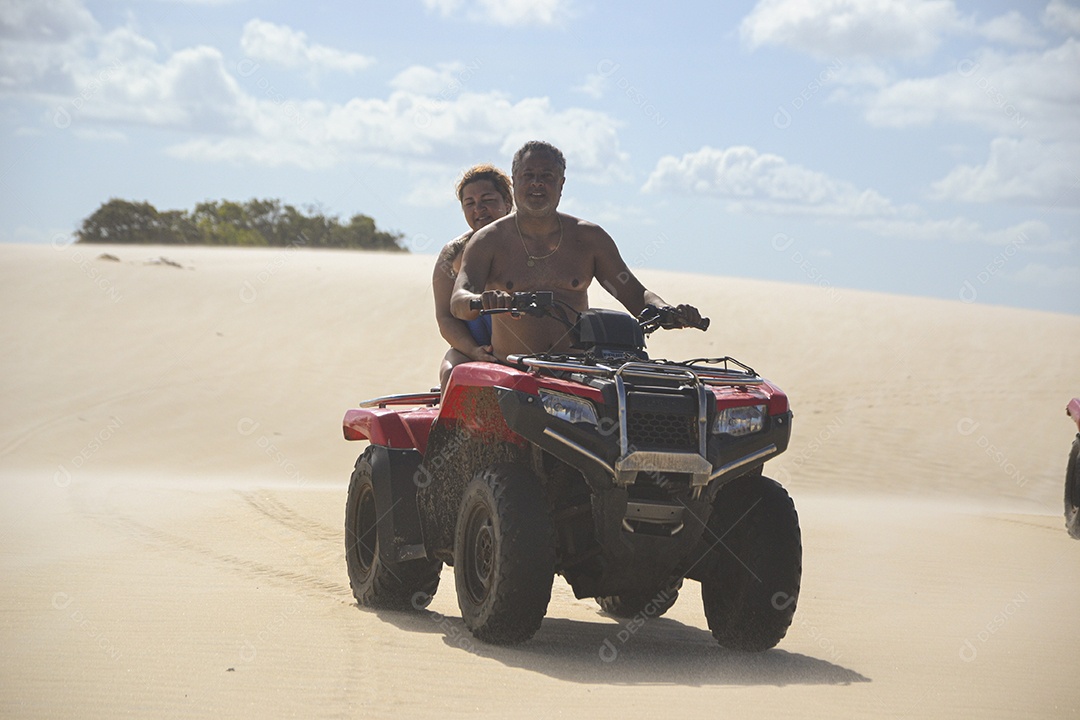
(173,481)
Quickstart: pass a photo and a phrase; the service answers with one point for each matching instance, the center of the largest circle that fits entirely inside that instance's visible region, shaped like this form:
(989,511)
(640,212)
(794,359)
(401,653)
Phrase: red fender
(390,427)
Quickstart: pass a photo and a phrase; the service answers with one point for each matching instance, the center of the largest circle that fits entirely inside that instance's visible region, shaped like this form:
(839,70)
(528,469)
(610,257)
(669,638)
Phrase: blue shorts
(480,329)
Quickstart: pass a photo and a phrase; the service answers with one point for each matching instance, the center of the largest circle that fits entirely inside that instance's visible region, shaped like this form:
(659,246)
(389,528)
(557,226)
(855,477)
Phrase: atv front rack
(691,370)
(731,373)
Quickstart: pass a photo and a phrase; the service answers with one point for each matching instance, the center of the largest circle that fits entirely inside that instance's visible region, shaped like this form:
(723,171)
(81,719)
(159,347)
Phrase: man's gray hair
(533,145)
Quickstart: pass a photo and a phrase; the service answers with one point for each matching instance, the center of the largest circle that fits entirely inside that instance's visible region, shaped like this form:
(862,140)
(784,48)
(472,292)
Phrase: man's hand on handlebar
(541,303)
(492,300)
(688,316)
(670,318)
(496,301)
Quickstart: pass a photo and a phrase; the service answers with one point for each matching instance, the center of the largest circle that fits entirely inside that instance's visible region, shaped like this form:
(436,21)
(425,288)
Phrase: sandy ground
(173,479)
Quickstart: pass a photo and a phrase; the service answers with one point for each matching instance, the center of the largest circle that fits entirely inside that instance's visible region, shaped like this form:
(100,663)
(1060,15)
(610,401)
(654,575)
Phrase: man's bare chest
(519,273)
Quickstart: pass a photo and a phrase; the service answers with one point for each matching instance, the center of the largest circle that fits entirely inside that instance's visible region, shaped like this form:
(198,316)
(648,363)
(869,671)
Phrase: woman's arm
(453,330)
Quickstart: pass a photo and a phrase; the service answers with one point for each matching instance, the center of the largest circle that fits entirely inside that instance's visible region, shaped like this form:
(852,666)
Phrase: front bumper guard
(594,455)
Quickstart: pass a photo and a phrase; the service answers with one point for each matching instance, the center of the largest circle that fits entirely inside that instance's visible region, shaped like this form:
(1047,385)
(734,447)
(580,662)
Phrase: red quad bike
(1072,475)
(626,475)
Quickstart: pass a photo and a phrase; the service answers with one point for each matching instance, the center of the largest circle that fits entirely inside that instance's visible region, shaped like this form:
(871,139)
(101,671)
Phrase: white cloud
(1029,100)
(1060,15)
(762,182)
(281,45)
(594,86)
(431,191)
(418,127)
(767,184)
(191,90)
(1023,171)
(957,229)
(124,46)
(612,213)
(1033,94)
(852,28)
(48,21)
(443,7)
(431,115)
(100,134)
(879,29)
(1046,276)
(588,138)
(504,12)
(83,74)
(117,77)
(41,39)
(1032,235)
(445,81)
(1012,28)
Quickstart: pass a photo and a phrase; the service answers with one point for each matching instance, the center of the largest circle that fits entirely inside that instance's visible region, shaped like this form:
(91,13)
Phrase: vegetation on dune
(256,223)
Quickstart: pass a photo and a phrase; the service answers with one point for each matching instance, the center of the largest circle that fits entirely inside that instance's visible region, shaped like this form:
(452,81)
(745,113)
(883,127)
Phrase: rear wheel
(504,555)
(1072,491)
(375,583)
(754,566)
(648,605)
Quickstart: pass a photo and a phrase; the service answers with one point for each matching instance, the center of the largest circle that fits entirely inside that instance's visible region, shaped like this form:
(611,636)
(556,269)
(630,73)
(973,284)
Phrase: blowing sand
(173,479)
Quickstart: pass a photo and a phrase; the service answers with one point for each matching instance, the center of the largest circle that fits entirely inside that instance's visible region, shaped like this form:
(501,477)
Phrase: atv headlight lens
(567,407)
(739,421)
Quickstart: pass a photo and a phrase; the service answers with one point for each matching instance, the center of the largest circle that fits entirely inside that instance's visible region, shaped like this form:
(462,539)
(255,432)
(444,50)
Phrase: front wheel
(754,564)
(376,583)
(504,555)
(1072,491)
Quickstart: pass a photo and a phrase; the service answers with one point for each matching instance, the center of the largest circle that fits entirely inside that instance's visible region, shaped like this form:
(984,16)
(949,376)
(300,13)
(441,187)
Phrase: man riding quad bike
(624,474)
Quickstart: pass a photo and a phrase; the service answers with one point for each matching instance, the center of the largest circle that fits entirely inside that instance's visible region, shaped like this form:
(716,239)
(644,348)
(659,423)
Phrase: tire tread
(525,558)
(388,586)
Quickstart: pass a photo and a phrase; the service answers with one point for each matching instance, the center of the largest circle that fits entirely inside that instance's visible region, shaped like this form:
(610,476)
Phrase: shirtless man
(538,248)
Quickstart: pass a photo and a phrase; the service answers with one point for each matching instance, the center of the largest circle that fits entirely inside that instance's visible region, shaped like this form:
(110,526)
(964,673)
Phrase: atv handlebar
(541,302)
(653,317)
(530,303)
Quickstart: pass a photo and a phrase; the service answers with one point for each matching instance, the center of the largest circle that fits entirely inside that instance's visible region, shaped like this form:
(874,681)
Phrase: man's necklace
(533,258)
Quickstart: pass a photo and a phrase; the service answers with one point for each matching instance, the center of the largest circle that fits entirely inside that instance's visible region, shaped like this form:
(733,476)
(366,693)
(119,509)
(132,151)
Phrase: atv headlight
(739,421)
(567,407)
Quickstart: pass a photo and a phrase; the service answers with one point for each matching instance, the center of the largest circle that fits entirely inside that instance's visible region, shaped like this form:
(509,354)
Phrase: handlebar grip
(702,324)
(476,304)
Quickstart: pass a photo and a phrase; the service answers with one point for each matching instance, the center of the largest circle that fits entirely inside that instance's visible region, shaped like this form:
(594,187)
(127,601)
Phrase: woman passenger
(485,196)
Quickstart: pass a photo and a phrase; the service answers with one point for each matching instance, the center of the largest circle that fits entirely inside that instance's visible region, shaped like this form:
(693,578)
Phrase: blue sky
(922,147)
